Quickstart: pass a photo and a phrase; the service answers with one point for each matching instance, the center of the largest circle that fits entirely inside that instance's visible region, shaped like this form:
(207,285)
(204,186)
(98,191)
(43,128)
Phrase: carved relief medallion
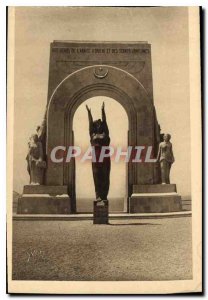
(101,72)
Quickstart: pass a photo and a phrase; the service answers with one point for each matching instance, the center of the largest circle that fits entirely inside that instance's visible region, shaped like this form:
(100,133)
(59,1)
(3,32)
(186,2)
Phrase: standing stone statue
(99,136)
(35,162)
(166,158)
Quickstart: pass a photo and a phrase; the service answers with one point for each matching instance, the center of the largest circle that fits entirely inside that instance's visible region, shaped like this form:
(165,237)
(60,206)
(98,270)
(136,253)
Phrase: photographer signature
(36,255)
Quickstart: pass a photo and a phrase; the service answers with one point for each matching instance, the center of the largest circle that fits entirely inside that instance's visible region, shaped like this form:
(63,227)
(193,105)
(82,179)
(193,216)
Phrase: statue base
(41,199)
(155,198)
(100,212)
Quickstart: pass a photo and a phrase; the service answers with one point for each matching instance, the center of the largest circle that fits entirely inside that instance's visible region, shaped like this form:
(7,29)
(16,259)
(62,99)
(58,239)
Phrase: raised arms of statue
(103,113)
(104,120)
(90,120)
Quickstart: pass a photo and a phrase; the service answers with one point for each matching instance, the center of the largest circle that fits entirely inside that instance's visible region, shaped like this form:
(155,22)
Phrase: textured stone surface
(39,204)
(45,189)
(67,57)
(86,205)
(154,188)
(157,204)
(75,76)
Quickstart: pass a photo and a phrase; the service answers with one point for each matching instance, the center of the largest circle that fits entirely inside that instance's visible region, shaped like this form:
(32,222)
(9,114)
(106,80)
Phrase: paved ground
(153,249)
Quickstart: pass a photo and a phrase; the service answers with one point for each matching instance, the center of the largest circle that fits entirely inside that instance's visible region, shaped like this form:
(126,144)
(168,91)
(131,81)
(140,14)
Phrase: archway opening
(118,124)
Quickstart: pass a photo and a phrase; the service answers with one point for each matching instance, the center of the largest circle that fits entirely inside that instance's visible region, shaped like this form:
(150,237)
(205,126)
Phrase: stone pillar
(100,212)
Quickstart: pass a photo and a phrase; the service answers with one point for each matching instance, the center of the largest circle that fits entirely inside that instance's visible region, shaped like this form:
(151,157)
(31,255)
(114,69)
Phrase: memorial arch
(89,82)
(77,72)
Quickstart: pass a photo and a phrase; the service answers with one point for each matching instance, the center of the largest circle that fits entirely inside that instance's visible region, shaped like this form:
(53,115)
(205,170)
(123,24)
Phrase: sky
(165,28)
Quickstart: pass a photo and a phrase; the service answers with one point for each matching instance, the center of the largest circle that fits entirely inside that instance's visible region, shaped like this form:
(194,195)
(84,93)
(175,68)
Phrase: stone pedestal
(155,198)
(100,212)
(41,199)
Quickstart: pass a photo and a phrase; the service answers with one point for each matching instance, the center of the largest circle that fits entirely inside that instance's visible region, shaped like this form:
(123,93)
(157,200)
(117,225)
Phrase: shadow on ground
(134,224)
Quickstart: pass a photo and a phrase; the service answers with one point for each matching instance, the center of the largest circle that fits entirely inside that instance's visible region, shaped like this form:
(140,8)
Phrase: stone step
(186,205)
(186,201)
(43,204)
(45,189)
(85,205)
(153,194)
(79,217)
(154,188)
(157,203)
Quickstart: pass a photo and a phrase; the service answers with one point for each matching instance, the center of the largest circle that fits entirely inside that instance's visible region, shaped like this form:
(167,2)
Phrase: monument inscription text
(99,50)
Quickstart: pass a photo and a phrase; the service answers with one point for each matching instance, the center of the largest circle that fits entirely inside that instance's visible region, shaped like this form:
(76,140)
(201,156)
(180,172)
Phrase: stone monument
(37,197)
(100,212)
(77,72)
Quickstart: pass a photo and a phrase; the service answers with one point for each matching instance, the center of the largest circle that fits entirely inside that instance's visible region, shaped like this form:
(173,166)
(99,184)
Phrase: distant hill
(15,200)
(15,195)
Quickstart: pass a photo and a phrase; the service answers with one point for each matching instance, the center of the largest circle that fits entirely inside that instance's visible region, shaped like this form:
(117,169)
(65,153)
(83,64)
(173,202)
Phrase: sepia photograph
(104,187)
